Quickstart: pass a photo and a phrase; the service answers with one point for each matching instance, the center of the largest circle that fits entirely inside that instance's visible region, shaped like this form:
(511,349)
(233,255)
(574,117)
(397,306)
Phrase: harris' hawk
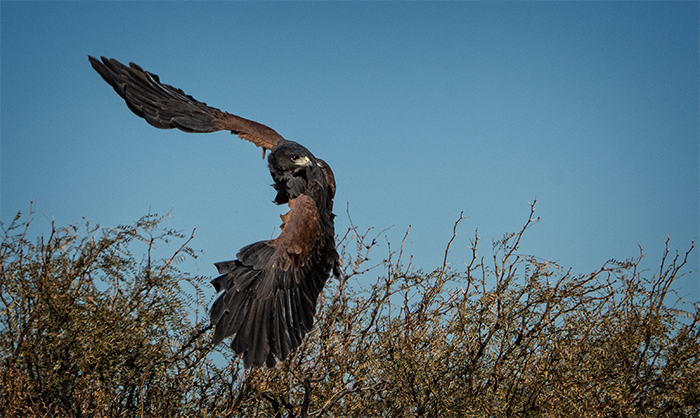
(269,293)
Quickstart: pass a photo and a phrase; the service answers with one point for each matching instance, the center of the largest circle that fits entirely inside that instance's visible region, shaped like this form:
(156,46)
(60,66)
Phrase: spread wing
(270,290)
(167,107)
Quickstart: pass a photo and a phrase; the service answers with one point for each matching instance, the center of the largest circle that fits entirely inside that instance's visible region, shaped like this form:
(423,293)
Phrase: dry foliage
(89,329)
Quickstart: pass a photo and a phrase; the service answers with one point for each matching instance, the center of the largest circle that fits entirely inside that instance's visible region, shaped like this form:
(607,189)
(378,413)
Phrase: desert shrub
(89,328)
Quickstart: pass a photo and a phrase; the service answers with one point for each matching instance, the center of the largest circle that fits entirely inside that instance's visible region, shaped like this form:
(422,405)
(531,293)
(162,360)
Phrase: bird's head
(290,157)
(296,171)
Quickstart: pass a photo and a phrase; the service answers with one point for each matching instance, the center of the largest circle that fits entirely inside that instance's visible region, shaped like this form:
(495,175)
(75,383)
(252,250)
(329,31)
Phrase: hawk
(268,294)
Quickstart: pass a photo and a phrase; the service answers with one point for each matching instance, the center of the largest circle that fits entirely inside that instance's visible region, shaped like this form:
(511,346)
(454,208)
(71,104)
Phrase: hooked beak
(305,161)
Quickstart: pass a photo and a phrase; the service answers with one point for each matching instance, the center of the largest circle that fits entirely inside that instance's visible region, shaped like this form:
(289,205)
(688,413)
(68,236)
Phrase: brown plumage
(269,292)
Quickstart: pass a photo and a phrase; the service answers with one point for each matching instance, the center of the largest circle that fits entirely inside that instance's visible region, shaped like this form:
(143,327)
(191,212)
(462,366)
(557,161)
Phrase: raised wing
(167,107)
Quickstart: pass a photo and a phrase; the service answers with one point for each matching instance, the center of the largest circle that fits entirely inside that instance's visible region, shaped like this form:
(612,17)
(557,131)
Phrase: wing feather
(270,290)
(168,107)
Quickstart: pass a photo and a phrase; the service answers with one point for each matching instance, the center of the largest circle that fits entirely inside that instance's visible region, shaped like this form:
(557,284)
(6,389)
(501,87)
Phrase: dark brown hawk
(269,293)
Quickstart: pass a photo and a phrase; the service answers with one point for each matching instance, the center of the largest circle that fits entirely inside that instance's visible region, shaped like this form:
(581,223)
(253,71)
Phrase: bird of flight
(269,293)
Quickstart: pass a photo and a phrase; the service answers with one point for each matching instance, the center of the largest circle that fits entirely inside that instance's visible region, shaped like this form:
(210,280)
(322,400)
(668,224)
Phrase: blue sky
(423,110)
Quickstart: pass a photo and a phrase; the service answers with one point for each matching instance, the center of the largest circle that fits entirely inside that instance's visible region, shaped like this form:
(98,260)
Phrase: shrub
(90,329)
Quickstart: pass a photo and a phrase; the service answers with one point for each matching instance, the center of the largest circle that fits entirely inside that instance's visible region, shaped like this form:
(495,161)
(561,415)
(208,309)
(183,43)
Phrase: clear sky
(422,110)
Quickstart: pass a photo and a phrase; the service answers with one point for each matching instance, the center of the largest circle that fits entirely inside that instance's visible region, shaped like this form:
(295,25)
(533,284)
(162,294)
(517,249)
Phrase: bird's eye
(300,160)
